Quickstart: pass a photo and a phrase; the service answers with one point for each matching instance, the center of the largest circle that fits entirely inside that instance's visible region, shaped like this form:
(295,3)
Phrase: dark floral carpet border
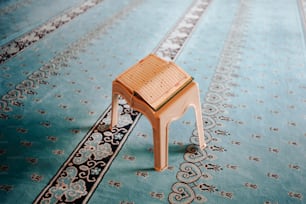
(14,97)
(79,176)
(14,47)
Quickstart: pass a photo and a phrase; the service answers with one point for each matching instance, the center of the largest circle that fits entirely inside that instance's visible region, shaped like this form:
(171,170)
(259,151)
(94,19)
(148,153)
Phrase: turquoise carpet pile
(57,63)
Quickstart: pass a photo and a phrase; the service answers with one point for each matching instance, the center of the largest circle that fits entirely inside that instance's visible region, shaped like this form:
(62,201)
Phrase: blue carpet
(58,59)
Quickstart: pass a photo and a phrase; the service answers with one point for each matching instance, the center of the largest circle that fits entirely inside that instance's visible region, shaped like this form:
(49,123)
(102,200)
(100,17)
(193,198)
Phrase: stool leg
(114,116)
(199,119)
(160,139)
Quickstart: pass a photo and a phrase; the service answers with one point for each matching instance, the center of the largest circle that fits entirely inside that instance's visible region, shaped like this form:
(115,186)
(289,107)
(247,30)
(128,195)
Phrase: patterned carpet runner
(56,73)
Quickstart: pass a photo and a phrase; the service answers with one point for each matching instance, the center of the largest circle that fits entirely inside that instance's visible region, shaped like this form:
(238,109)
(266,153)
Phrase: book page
(155,80)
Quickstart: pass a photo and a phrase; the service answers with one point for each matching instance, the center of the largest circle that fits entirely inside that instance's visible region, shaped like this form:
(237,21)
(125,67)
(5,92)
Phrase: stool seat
(160,106)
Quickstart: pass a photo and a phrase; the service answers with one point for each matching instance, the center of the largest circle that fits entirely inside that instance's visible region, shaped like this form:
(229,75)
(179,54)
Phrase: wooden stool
(162,92)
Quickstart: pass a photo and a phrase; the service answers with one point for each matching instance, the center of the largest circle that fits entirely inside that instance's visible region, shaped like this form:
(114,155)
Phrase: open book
(154,80)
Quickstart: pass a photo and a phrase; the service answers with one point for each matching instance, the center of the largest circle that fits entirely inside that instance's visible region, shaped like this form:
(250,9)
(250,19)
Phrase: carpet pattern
(15,46)
(193,177)
(56,73)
